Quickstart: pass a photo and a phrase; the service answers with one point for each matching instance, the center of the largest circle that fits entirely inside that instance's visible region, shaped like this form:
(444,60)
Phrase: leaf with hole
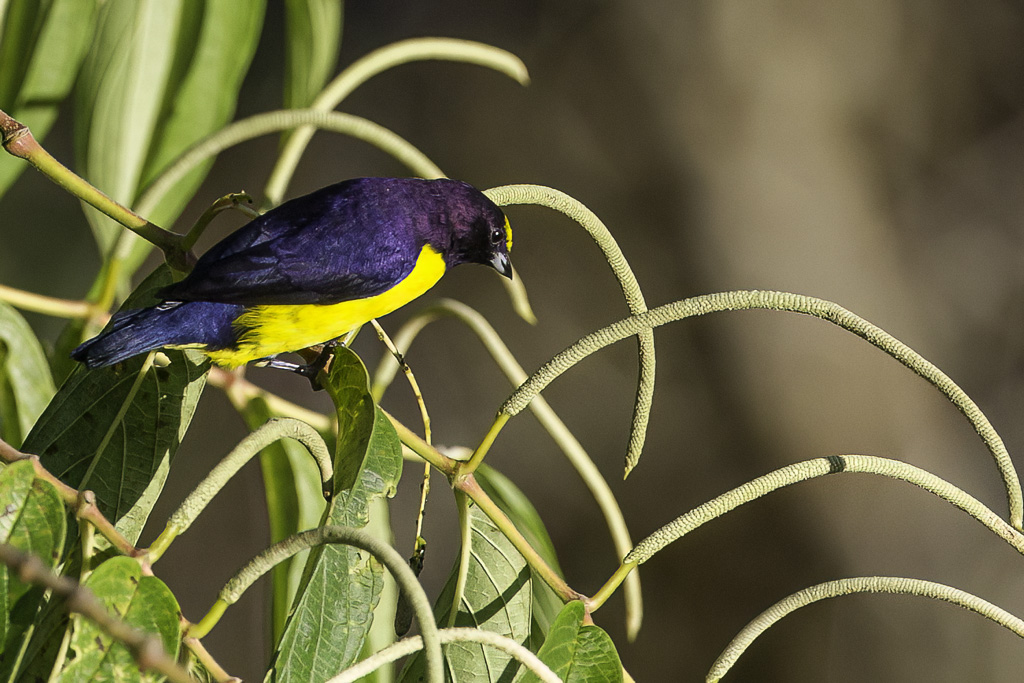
(341,586)
(33,520)
(144,602)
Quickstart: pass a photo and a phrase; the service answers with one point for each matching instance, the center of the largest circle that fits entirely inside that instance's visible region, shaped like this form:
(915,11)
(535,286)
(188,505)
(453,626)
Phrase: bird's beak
(502,264)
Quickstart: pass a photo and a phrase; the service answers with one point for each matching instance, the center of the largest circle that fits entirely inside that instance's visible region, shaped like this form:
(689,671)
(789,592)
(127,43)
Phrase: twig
(146,648)
(18,140)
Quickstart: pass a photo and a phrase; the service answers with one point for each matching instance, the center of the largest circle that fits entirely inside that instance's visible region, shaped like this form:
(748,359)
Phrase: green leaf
(42,47)
(295,503)
(215,47)
(497,598)
(115,430)
(120,95)
(162,74)
(341,585)
(514,503)
(33,520)
(578,653)
(144,602)
(314,36)
(25,383)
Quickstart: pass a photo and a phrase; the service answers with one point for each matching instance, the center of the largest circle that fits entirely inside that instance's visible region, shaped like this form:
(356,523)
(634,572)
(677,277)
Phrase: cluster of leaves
(156,85)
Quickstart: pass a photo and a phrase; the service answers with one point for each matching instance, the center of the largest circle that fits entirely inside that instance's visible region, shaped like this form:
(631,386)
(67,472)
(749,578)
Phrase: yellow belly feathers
(270,330)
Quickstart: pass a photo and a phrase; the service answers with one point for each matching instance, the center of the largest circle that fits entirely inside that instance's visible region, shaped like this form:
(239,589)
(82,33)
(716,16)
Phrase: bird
(311,270)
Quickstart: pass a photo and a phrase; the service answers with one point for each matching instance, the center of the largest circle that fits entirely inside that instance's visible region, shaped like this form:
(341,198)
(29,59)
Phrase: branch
(864,584)
(18,140)
(146,648)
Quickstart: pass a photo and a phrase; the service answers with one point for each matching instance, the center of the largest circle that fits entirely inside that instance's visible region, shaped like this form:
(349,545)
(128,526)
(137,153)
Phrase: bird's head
(480,232)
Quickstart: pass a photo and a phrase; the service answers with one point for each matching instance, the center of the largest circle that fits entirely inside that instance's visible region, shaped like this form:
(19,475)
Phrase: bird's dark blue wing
(336,244)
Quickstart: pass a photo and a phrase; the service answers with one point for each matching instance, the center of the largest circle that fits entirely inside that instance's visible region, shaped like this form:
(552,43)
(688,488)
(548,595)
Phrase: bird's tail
(131,332)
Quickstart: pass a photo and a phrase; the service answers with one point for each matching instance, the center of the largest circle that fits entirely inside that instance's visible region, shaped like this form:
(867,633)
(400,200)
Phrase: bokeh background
(865,152)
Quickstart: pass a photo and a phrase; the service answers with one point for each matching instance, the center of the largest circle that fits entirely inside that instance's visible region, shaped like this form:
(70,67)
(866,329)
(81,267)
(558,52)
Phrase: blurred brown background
(865,152)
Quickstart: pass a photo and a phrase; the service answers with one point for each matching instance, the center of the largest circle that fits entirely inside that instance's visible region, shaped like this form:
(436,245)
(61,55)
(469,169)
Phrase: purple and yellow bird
(313,269)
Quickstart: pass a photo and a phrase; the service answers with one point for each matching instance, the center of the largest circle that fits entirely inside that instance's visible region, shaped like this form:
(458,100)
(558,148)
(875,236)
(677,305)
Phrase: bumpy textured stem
(819,467)
(561,434)
(275,121)
(563,203)
(387,555)
(273,430)
(406,647)
(864,584)
(794,303)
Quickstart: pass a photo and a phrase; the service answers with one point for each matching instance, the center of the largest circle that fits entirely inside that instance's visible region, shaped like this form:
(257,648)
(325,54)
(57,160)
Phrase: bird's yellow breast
(270,330)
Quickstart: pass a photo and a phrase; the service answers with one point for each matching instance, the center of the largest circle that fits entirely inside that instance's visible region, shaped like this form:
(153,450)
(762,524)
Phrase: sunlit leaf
(314,36)
(144,602)
(119,99)
(161,75)
(215,47)
(32,519)
(497,598)
(341,586)
(41,48)
(25,383)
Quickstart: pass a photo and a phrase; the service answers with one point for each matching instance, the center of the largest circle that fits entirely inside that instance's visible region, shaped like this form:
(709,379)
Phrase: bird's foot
(310,371)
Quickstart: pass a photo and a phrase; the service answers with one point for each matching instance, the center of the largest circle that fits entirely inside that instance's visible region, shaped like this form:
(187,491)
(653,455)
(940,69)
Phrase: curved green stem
(485,445)
(408,646)
(387,555)
(19,141)
(275,121)
(820,467)
(421,448)
(47,305)
(621,574)
(864,584)
(273,430)
(794,303)
(574,209)
(416,49)
(239,201)
(560,433)
(465,552)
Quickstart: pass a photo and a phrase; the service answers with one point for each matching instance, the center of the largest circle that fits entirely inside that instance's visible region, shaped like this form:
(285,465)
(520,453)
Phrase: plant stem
(485,445)
(19,141)
(47,305)
(146,648)
(610,586)
(422,448)
(467,484)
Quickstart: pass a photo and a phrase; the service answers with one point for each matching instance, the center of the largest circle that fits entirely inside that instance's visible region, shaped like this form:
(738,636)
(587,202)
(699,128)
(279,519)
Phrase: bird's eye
(496,236)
